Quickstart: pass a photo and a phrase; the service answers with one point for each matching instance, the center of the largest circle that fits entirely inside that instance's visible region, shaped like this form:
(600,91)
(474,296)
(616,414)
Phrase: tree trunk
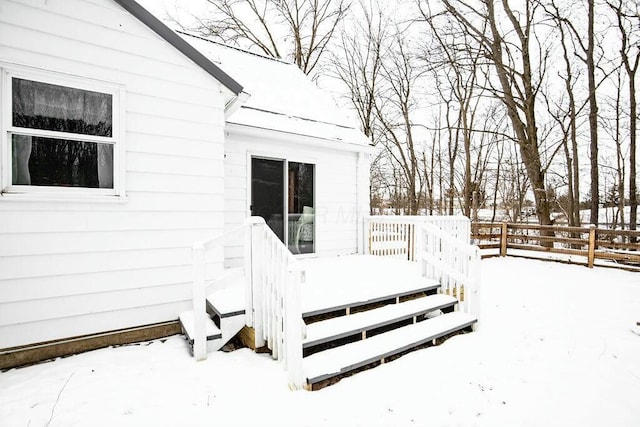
(593,116)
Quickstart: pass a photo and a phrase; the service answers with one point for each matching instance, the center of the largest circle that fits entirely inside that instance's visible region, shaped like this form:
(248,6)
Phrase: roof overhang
(294,137)
(185,48)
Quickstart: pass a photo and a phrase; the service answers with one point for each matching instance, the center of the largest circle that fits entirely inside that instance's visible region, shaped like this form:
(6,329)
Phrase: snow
(328,283)
(280,95)
(328,363)
(555,347)
(320,332)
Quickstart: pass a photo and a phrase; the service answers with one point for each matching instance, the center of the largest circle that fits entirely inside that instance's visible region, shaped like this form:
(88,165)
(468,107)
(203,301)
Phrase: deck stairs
(359,335)
(348,337)
(225,308)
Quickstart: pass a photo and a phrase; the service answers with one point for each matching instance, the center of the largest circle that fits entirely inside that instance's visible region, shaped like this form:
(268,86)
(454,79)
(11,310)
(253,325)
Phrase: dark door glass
(301,210)
(267,193)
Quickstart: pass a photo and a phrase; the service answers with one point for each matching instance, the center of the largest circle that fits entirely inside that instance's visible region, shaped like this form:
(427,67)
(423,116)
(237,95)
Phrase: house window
(60,136)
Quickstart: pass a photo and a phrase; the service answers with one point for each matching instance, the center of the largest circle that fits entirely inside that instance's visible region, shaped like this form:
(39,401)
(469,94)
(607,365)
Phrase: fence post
(199,308)
(592,245)
(503,239)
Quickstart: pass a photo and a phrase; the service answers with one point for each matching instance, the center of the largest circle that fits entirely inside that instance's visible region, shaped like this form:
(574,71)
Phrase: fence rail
(590,244)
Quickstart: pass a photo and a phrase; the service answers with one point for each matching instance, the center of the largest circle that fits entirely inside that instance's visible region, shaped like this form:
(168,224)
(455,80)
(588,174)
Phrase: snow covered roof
(282,98)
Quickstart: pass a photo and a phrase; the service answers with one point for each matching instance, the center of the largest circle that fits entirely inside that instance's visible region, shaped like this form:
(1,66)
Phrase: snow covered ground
(555,348)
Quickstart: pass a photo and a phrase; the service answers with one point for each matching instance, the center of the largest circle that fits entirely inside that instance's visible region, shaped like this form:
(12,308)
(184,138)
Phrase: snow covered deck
(339,282)
(362,310)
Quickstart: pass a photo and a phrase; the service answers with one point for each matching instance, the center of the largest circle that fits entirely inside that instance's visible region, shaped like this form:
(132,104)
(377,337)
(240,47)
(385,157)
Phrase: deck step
(228,302)
(186,320)
(428,287)
(341,360)
(345,326)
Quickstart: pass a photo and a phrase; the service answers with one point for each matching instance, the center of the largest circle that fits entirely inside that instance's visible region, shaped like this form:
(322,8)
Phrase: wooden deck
(364,310)
(350,281)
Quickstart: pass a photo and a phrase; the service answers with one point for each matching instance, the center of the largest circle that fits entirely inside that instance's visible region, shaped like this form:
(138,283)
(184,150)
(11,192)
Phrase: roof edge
(179,43)
(238,49)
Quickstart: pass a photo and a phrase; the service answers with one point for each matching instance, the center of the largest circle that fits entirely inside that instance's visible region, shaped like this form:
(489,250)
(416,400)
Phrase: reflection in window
(45,106)
(301,212)
(60,162)
(42,158)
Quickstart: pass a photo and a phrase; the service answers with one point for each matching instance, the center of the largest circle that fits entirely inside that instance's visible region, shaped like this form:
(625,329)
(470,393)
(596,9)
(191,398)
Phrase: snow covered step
(427,287)
(186,320)
(345,326)
(340,360)
(227,302)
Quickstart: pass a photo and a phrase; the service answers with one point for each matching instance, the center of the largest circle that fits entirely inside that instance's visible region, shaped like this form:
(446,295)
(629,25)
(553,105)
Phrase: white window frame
(7,189)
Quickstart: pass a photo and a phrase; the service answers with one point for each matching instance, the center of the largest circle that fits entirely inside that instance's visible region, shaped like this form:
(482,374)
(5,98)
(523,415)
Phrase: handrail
(219,239)
(441,244)
(272,287)
(454,264)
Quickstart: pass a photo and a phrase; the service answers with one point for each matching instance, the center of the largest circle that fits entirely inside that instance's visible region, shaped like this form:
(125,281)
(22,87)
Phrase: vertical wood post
(475,206)
(199,308)
(503,239)
(366,236)
(592,246)
(248,278)
(294,327)
(257,266)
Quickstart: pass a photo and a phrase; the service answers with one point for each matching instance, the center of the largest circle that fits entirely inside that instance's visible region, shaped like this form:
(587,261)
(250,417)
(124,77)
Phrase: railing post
(294,327)
(503,239)
(199,309)
(366,236)
(475,291)
(592,245)
(248,274)
(257,267)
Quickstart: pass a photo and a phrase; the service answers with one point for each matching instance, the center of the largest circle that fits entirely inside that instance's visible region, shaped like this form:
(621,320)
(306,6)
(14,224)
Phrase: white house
(121,145)
(291,156)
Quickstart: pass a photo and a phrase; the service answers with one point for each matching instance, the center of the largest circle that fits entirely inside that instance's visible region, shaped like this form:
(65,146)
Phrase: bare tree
(358,63)
(505,38)
(586,51)
(394,108)
(566,116)
(456,82)
(628,21)
(593,112)
(298,30)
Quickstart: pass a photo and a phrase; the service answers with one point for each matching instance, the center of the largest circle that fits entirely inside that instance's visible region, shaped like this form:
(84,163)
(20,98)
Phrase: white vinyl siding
(79,267)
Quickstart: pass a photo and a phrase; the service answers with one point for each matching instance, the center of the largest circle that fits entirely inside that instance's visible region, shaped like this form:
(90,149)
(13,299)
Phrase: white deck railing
(272,292)
(440,244)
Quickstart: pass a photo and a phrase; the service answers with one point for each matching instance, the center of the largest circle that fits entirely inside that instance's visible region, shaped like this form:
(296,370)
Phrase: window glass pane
(267,193)
(301,211)
(38,105)
(61,162)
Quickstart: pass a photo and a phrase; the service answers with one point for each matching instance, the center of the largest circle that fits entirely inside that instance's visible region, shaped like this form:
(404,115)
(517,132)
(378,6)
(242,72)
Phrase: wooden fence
(578,245)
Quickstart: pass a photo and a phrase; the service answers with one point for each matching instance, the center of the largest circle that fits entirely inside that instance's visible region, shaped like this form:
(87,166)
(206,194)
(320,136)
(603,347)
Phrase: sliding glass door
(278,186)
